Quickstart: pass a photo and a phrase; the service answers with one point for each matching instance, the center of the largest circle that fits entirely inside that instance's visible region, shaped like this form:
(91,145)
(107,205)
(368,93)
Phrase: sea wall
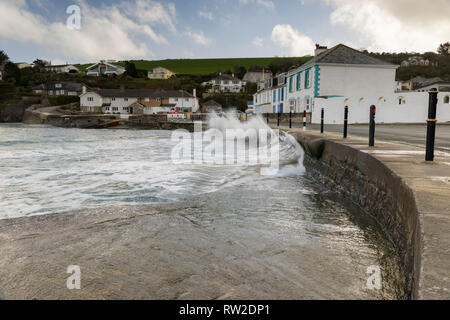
(378,190)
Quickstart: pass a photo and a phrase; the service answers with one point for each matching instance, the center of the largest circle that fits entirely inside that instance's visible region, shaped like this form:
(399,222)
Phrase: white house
(64,68)
(225,83)
(160,73)
(257,75)
(104,68)
(340,77)
(121,101)
(271,96)
(23,65)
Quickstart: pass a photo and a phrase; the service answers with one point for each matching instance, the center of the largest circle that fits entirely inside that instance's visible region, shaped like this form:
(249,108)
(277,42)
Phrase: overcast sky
(150,29)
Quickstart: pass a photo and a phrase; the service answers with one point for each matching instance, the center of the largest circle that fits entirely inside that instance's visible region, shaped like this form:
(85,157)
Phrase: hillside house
(161,73)
(64,68)
(23,65)
(225,83)
(54,89)
(257,76)
(121,101)
(104,68)
(211,106)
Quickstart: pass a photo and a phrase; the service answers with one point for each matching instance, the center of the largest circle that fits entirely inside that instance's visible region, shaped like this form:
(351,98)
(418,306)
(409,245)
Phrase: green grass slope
(205,66)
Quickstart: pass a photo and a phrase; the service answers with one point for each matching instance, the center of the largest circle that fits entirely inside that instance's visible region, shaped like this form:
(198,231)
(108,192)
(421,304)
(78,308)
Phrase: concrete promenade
(430,184)
(414,134)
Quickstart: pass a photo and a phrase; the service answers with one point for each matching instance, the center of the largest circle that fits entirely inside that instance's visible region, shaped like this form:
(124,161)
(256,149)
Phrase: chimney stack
(195,93)
(320,49)
(84,89)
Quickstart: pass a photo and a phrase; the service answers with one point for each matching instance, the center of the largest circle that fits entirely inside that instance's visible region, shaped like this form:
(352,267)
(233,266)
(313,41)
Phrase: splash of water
(291,154)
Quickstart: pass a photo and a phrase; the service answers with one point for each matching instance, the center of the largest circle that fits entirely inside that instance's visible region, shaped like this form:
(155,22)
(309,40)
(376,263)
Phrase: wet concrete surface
(195,250)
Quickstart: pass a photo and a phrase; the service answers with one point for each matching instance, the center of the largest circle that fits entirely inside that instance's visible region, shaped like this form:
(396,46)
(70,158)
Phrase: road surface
(410,134)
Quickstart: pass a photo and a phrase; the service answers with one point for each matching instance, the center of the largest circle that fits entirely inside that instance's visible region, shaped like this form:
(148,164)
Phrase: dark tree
(444,49)
(240,71)
(130,68)
(3,57)
(12,72)
(40,64)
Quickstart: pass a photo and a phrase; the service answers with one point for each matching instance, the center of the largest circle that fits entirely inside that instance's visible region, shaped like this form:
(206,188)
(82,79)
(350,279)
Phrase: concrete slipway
(408,196)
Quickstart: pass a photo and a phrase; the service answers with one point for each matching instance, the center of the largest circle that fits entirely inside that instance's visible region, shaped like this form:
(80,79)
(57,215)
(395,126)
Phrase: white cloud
(206,14)
(265,3)
(292,40)
(400,25)
(258,42)
(123,31)
(199,38)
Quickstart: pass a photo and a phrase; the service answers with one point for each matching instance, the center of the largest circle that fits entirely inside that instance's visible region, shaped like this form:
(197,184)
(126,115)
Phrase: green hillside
(207,66)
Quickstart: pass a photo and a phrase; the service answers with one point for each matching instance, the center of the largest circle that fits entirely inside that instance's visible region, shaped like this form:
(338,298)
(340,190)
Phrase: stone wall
(13,111)
(377,190)
(284,117)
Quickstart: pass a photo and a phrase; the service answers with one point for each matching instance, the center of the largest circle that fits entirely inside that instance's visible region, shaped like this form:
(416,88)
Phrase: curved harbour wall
(378,190)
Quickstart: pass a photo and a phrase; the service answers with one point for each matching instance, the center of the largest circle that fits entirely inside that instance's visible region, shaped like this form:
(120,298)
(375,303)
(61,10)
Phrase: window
(125,99)
(307,79)
(446,99)
(113,99)
(401,100)
(274,96)
(90,99)
(291,78)
(298,81)
(58,85)
(147,99)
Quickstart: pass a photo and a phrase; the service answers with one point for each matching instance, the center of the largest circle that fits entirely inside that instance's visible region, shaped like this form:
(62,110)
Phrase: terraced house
(128,102)
(337,72)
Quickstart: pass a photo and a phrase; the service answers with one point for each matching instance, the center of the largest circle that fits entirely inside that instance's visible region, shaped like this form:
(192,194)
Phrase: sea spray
(290,155)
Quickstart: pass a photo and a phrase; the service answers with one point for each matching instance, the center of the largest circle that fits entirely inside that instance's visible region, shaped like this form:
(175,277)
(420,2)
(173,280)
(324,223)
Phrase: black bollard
(278,121)
(322,120)
(431,130)
(373,112)
(290,120)
(345,122)
(304,120)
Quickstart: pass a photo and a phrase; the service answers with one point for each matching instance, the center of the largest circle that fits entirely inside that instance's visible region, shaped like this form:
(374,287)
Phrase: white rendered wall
(414,109)
(348,80)
(97,100)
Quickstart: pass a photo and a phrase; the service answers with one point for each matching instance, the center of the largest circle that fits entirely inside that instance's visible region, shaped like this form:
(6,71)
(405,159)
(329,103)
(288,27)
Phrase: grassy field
(205,66)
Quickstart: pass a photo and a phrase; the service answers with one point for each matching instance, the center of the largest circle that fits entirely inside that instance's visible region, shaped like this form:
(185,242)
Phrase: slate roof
(212,103)
(226,77)
(76,87)
(143,93)
(341,54)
